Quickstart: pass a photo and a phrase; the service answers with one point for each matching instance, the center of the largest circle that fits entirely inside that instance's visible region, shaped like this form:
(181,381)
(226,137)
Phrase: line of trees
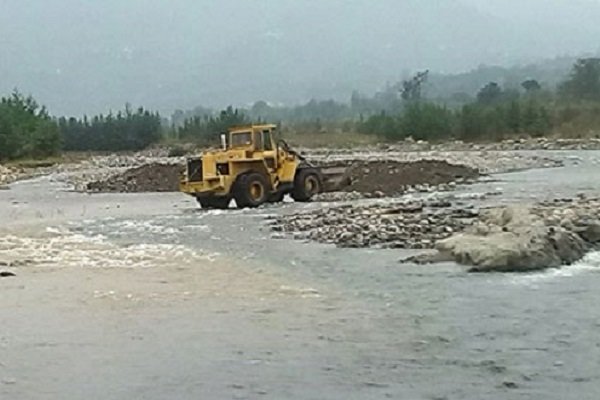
(28,131)
(124,131)
(497,112)
(477,121)
(205,129)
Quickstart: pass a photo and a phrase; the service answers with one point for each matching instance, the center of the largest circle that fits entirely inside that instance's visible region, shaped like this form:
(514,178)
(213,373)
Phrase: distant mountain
(549,73)
(87,57)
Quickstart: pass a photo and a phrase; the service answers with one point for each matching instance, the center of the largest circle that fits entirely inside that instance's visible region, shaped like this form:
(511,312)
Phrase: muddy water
(147,297)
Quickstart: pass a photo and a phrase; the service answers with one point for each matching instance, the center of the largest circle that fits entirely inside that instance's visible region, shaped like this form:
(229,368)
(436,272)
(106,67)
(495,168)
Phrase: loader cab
(258,138)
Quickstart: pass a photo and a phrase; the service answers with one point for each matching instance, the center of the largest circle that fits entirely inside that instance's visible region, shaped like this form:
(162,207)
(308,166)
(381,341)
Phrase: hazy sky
(89,56)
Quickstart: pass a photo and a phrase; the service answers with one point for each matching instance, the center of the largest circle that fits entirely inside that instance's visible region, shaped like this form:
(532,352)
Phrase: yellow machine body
(250,152)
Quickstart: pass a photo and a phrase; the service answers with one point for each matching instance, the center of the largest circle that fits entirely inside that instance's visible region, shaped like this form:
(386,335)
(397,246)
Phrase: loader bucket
(335,177)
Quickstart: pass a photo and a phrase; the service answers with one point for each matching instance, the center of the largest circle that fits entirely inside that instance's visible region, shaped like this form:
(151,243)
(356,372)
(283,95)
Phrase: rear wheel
(220,203)
(307,184)
(251,190)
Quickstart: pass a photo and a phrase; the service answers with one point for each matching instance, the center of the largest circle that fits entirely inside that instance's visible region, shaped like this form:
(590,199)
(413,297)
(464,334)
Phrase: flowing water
(145,296)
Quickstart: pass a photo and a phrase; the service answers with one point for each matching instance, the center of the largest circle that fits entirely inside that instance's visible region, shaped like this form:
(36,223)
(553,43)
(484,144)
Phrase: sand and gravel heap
(101,173)
(146,178)
(391,177)
(371,179)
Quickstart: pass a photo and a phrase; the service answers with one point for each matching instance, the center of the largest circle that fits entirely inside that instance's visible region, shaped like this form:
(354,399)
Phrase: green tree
(531,86)
(206,129)
(412,89)
(26,128)
(124,131)
(490,93)
(513,117)
(426,121)
(584,81)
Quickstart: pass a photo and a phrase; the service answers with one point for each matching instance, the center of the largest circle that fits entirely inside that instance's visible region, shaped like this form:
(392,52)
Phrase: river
(148,297)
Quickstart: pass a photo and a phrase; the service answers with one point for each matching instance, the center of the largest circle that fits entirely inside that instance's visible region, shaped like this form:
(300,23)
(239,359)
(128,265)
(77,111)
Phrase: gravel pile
(146,178)
(389,177)
(486,162)
(99,171)
(367,179)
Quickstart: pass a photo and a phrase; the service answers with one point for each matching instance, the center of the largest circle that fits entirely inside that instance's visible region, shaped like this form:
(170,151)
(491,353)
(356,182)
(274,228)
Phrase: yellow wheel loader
(252,168)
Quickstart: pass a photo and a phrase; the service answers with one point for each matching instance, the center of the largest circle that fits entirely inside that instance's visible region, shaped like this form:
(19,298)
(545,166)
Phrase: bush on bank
(26,129)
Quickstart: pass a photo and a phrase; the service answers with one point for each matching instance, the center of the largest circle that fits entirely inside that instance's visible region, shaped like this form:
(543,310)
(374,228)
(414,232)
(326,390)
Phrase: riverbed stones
(528,144)
(399,224)
(484,161)
(7,176)
(498,239)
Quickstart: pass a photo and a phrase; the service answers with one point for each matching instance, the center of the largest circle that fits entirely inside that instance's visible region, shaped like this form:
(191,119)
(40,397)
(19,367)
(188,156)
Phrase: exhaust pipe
(224,141)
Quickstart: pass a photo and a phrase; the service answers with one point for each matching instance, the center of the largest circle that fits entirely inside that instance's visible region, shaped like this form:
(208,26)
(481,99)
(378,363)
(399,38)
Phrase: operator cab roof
(246,128)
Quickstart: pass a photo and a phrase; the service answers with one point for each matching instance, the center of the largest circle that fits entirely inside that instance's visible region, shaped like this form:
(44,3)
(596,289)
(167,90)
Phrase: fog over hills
(79,56)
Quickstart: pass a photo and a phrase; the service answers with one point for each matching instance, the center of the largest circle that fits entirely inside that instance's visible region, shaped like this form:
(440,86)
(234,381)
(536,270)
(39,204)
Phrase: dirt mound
(147,178)
(389,177)
(385,177)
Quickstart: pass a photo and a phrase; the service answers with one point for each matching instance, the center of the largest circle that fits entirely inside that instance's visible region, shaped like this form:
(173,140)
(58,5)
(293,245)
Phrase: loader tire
(251,190)
(218,203)
(307,183)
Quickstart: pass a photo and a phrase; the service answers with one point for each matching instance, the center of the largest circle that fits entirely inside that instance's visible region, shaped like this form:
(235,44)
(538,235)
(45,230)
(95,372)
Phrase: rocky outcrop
(514,239)
(520,239)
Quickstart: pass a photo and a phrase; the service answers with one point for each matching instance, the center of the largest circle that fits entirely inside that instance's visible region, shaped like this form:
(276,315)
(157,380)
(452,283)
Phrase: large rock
(514,239)
(592,232)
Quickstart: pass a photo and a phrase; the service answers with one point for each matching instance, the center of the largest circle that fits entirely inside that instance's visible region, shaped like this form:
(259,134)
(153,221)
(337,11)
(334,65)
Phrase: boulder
(516,240)
(592,232)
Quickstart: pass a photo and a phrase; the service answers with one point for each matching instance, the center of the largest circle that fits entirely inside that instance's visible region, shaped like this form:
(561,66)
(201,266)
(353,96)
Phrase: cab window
(258,141)
(241,139)
(266,139)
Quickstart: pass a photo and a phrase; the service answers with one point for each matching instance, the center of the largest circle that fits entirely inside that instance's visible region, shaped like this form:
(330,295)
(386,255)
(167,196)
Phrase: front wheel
(251,190)
(307,184)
